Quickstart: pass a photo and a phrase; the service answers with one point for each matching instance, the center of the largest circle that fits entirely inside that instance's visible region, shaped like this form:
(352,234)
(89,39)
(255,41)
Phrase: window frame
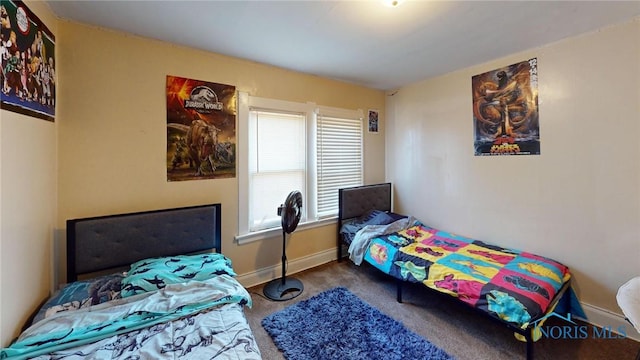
(247,103)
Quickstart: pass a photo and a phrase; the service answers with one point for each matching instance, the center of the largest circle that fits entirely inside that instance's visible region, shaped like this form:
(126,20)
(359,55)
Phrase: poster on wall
(505,110)
(28,63)
(201,130)
(373,121)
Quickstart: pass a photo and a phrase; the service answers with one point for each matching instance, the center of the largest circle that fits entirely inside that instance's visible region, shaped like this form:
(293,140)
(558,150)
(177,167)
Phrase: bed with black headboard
(355,202)
(515,288)
(177,298)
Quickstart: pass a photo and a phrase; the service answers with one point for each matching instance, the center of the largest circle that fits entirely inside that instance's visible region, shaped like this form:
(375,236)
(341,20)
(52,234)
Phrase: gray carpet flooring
(448,324)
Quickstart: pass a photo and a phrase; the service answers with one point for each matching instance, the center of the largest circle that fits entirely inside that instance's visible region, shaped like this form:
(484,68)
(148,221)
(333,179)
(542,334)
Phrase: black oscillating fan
(283,288)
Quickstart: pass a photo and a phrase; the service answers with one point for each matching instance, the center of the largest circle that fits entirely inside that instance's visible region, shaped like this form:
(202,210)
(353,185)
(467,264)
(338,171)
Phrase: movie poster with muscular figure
(505,110)
(27,54)
(201,130)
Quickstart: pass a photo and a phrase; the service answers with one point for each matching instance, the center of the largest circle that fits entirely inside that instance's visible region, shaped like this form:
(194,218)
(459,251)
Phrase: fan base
(281,291)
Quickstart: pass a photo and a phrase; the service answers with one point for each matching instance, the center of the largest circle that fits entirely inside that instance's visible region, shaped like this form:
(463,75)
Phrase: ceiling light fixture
(393,3)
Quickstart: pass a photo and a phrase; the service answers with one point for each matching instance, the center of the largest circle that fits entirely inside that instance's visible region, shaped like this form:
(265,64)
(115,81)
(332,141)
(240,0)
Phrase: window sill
(269,233)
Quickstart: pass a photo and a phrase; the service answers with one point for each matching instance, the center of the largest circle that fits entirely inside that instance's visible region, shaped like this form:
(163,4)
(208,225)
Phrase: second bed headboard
(106,242)
(355,201)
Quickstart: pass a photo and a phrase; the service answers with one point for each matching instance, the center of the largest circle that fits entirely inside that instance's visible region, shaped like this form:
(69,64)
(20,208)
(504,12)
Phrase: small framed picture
(373,121)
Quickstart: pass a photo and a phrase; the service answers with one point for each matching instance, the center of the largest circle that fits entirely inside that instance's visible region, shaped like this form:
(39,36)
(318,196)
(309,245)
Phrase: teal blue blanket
(84,326)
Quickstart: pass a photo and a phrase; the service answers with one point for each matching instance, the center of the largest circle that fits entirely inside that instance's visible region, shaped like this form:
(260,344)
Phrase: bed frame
(356,201)
(97,244)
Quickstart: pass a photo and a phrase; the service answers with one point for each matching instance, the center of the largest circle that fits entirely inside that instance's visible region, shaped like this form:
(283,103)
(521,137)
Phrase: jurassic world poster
(505,110)
(28,63)
(201,130)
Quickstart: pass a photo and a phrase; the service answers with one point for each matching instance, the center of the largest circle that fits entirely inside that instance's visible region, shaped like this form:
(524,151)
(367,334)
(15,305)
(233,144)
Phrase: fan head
(291,211)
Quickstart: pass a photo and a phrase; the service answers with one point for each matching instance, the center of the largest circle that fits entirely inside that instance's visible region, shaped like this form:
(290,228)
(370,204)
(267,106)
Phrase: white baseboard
(267,274)
(602,317)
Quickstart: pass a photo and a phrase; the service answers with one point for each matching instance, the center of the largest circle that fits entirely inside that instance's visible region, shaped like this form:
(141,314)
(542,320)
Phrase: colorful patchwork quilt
(517,287)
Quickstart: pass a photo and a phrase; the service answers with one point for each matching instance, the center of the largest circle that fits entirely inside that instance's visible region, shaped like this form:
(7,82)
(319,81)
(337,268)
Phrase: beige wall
(577,202)
(112,132)
(28,208)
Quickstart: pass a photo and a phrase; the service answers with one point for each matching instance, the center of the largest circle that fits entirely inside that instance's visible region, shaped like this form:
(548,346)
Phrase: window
(277,163)
(338,159)
(286,146)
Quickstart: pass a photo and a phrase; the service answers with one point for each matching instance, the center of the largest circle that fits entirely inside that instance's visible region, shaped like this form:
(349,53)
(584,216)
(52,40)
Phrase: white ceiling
(361,42)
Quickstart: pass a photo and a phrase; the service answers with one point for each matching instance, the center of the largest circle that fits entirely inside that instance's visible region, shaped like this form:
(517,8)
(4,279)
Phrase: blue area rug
(336,324)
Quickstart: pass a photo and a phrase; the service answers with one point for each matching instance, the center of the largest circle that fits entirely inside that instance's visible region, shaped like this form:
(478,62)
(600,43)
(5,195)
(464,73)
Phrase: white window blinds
(277,163)
(339,159)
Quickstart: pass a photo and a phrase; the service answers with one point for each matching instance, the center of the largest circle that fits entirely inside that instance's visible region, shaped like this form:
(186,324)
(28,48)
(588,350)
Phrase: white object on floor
(628,298)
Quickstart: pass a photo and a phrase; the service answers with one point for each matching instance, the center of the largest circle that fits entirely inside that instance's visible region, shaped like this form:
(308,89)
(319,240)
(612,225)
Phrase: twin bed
(176,300)
(516,288)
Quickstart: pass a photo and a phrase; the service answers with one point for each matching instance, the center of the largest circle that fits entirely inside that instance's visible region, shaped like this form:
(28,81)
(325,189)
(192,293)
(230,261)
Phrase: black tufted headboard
(356,201)
(100,243)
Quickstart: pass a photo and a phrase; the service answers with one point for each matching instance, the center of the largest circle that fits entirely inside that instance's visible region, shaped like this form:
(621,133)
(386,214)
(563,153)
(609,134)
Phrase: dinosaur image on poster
(201,130)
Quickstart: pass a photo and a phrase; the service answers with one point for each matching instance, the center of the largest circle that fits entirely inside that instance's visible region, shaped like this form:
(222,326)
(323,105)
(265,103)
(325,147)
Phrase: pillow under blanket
(153,274)
(373,217)
(81,294)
